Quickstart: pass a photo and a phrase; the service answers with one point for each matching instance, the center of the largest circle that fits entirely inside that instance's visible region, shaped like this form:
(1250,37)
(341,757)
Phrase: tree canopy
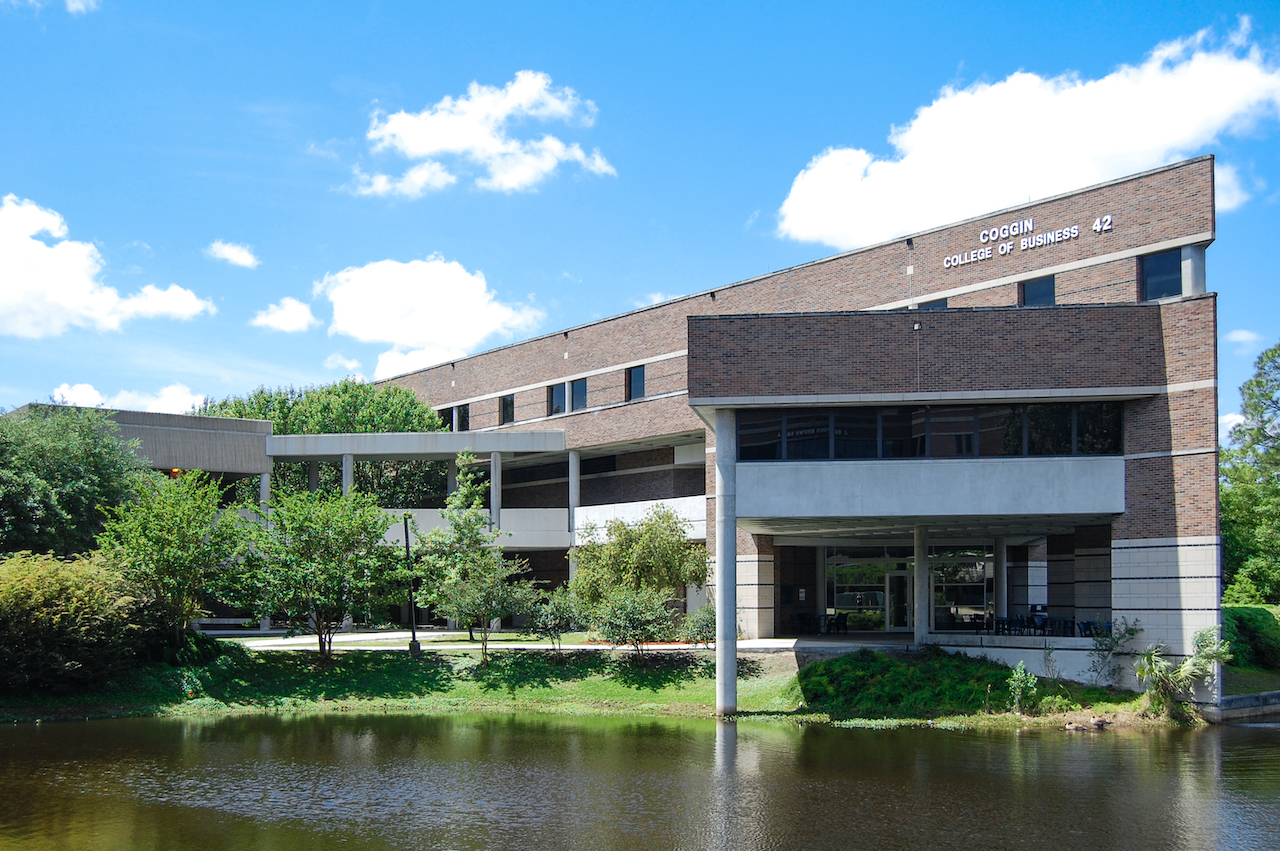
(654,554)
(346,407)
(61,469)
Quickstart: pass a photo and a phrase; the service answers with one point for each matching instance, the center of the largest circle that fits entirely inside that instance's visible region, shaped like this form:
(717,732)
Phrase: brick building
(1004,425)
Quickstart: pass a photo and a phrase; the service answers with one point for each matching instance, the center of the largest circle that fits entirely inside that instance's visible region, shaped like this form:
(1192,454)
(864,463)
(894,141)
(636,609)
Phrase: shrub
(1254,635)
(63,623)
(1054,704)
(554,616)
(1166,682)
(635,617)
(1107,645)
(1022,689)
(699,626)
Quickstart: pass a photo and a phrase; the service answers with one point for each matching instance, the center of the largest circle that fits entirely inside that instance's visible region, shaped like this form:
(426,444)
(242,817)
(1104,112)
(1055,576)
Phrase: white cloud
(1245,342)
(53,282)
(652,299)
(994,145)
(337,361)
(290,316)
(430,311)
(80,7)
(176,398)
(1226,422)
(233,253)
(474,128)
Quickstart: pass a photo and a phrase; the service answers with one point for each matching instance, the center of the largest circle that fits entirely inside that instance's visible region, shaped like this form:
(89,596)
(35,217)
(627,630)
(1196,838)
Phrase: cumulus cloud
(651,299)
(176,398)
(1226,422)
(337,361)
(994,145)
(233,253)
(53,282)
(290,316)
(80,7)
(474,129)
(430,311)
(1245,342)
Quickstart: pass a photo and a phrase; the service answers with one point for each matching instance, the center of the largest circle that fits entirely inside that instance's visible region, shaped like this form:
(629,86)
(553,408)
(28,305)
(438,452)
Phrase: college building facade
(991,435)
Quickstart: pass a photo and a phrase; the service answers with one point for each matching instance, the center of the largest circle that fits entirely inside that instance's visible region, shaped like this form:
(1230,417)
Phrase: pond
(413,782)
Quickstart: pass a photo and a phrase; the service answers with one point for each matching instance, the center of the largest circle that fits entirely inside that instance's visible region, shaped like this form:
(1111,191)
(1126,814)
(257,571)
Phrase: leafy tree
(173,542)
(468,579)
(635,616)
(1249,489)
(61,468)
(554,616)
(346,407)
(699,626)
(654,554)
(316,559)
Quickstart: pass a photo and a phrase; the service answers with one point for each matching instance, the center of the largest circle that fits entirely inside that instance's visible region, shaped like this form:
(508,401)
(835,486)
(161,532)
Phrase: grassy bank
(867,689)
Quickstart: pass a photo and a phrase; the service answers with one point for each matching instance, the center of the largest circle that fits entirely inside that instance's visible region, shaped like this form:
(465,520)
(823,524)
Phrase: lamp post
(415,649)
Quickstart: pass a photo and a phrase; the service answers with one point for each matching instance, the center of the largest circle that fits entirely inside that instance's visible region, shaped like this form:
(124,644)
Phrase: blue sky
(201,199)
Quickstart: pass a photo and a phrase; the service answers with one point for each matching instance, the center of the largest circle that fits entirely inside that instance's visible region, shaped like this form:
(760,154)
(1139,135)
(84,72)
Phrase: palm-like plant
(1166,682)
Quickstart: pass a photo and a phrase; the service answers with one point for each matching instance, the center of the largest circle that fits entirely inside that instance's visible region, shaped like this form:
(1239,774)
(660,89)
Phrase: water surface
(401,782)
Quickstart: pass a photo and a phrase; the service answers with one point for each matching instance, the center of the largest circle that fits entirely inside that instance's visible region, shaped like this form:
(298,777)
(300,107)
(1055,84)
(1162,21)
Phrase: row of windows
(965,431)
(574,393)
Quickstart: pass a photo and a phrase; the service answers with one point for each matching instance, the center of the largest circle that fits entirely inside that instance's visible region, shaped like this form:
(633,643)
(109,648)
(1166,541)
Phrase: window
(462,418)
(951,432)
(1037,293)
(759,436)
(578,394)
(856,433)
(902,432)
(1049,429)
(940,304)
(1162,275)
(635,383)
(808,435)
(506,409)
(1001,430)
(555,400)
(1099,429)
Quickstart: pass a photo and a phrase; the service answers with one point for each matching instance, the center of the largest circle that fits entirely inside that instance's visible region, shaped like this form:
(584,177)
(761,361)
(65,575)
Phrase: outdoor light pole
(415,649)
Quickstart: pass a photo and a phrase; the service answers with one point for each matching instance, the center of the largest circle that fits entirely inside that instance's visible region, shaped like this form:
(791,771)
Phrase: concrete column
(923,600)
(495,488)
(264,489)
(1193,278)
(451,475)
(575,500)
(313,476)
(1001,579)
(348,472)
(726,562)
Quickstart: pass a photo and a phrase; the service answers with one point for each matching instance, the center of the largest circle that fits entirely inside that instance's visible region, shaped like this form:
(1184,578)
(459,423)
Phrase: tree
(316,559)
(346,407)
(554,616)
(61,468)
(173,542)
(1249,489)
(468,579)
(654,554)
(634,616)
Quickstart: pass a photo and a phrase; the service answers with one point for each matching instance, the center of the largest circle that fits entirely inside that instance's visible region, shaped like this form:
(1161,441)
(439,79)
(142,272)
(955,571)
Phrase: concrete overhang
(884,496)
(409,446)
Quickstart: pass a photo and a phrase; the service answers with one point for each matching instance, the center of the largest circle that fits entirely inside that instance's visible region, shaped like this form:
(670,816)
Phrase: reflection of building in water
(996,435)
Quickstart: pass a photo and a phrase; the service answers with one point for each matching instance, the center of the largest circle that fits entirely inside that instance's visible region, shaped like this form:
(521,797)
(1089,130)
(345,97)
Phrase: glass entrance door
(897,592)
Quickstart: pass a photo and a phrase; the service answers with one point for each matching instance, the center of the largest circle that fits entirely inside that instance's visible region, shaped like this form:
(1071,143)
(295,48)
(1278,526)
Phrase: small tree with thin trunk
(467,577)
(317,559)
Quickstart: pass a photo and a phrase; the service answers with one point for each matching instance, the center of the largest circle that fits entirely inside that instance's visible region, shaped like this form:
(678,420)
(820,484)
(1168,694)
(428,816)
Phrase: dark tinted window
(1099,428)
(635,383)
(1039,292)
(462,418)
(808,435)
(902,432)
(1000,430)
(856,433)
(759,436)
(578,392)
(555,399)
(951,432)
(1049,429)
(1162,275)
(940,304)
(506,409)
(603,464)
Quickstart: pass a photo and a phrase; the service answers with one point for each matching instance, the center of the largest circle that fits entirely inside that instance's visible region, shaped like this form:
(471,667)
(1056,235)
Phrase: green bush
(699,626)
(63,624)
(1022,689)
(1254,635)
(1056,704)
(635,617)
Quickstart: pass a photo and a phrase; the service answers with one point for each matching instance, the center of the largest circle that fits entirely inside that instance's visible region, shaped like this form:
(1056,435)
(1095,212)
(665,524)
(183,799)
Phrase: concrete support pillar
(575,500)
(495,488)
(264,624)
(264,489)
(348,472)
(1193,282)
(923,599)
(451,475)
(1001,579)
(726,562)
(313,476)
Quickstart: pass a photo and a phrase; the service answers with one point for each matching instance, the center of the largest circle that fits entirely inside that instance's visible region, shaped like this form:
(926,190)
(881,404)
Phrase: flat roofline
(828,259)
(150,419)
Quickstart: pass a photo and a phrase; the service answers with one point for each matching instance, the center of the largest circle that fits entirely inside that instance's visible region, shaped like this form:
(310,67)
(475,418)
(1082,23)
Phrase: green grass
(1246,680)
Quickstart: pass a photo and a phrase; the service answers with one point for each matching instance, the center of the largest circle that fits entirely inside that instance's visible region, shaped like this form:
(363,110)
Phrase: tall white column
(575,499)
(348,472)
(923,599)
(495,488)
(451,475)
(726,562)
(1001,579)
(264,489)
(313,476)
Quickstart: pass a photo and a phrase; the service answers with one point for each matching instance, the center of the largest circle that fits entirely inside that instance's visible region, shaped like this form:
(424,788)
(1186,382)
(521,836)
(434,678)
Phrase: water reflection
(483,782)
